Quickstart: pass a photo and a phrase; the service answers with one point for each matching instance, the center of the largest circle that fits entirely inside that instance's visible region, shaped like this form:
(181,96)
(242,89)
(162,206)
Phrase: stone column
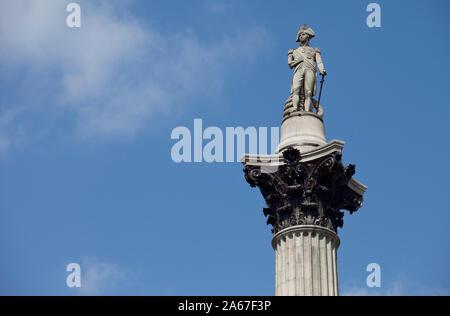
(305,186)
(306,261)
(304,194)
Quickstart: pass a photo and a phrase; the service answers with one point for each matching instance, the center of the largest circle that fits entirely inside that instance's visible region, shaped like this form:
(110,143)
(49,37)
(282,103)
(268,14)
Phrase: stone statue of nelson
(304,81)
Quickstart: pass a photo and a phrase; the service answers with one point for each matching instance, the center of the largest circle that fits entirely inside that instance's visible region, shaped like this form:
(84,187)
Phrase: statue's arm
(320,63)
(292,62)
(291,59)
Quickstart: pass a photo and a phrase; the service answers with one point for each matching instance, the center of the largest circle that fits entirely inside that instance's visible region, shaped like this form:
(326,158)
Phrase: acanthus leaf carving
(306,193)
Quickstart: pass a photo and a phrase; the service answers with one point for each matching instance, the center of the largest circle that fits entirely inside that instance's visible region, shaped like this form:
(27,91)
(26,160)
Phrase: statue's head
(305,34)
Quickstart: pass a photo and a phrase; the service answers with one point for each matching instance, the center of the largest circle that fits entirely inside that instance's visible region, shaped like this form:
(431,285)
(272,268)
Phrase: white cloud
(11,133)
(114,74)
(99,278)
(397,288)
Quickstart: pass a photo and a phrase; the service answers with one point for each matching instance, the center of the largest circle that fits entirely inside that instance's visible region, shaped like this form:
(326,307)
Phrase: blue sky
(86,115)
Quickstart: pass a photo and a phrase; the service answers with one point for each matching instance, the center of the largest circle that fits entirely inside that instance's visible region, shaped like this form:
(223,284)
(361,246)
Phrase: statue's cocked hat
(304,29)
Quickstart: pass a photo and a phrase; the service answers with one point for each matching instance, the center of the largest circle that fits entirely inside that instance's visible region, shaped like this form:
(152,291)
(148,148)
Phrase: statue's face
(304,37)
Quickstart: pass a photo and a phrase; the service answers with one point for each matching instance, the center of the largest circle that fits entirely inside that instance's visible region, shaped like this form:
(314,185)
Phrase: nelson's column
(305,185)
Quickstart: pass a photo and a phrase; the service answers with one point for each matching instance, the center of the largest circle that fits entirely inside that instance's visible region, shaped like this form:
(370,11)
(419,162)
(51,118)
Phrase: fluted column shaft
(306,261)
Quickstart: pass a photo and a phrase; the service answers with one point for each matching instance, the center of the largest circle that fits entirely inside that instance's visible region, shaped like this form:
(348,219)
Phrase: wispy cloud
(115,73)
(100,278)
(11,133)
(397,288)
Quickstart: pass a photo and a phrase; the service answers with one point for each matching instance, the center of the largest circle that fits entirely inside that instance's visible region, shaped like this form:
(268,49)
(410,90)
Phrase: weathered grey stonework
(305,185)
(306,261)
(303,60)
(306,193)
(304,130)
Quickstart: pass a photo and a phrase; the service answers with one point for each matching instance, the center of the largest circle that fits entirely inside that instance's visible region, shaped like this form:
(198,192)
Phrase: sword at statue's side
(320,92)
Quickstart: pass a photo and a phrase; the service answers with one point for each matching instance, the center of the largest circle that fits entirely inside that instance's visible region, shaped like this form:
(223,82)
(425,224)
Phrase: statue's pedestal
(302,130)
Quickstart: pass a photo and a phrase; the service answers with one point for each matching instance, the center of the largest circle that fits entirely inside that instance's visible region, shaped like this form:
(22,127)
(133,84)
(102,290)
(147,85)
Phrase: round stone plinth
(302,130)
(306,261)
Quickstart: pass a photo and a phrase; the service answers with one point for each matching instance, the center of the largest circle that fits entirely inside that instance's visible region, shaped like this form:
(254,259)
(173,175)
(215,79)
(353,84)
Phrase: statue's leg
(296,89)
(309,87)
